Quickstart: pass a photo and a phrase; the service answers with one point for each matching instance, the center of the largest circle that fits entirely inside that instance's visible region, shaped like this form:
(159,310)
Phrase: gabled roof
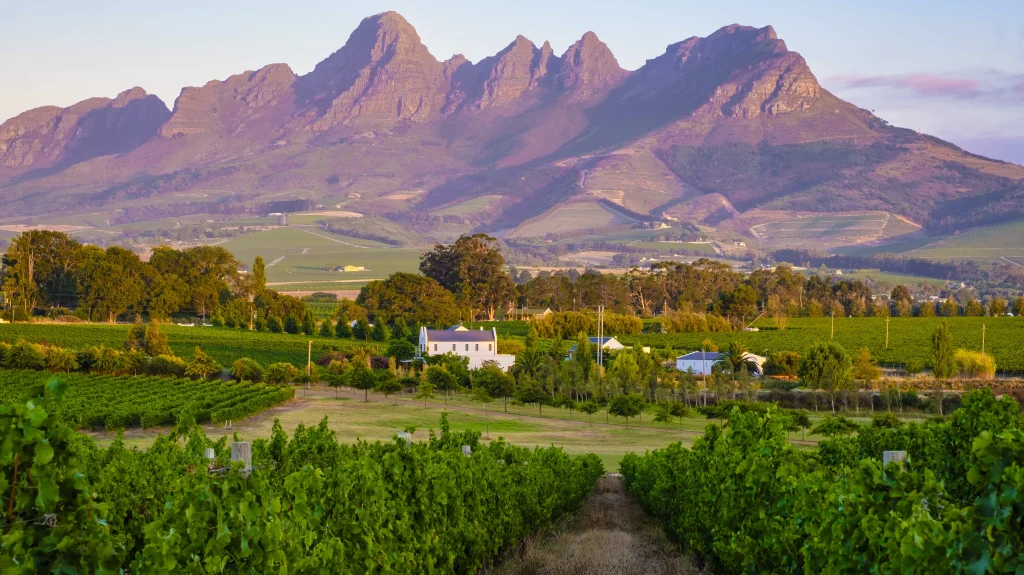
(456,328)
(701,355)
(445,336)
(604,341)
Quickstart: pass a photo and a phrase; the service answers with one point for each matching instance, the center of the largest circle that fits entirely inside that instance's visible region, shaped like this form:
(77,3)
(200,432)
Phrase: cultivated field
(223,344)
(466,208)
(297,258)
(570,217)
(991,243)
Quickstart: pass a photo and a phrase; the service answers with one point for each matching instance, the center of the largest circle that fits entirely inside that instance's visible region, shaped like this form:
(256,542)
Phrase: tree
(291,324)
(441,378)
(326,330)
(529,390)
(950,308)
(60,359)
(1018,306)
(997,307)
(245,369)
(361,330)
(387,384)
(528,363)
(111,282)
(491,378)
(274,324)
(380,331)
(473,269)
(308,323)
(626,405)
(201,365)
(943,361)
(736,358)
(342,328)
(413,297)
(281,372)
(400,329)
(590,408)
(826,367)
(424,391)
(362,377)
(401,349)
(864,367)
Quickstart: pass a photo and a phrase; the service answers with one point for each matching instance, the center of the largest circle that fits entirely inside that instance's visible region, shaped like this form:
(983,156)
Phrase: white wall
(697,365)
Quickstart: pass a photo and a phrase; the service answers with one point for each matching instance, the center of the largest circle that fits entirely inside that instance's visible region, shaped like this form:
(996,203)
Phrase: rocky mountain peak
(128,95)
(589,64)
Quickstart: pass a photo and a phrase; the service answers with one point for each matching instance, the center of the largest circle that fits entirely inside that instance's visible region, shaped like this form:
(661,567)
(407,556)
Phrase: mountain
(716,130)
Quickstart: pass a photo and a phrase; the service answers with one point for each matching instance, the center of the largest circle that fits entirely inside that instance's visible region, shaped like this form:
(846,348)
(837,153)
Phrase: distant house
(701,362)
(526,313)
(608,343)
(457,328)
(349,269)
(478,346)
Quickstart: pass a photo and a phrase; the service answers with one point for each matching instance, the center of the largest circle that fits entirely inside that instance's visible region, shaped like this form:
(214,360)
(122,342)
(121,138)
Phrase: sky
(951,69)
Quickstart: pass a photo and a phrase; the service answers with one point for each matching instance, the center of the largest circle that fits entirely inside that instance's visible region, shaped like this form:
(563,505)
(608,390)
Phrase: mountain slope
(736,117)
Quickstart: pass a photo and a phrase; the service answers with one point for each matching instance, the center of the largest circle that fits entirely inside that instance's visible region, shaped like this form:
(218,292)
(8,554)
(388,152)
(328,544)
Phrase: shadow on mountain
(108,131)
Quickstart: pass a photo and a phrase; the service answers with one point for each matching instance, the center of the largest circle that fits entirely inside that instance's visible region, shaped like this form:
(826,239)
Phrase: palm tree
(528,362)
(735,358)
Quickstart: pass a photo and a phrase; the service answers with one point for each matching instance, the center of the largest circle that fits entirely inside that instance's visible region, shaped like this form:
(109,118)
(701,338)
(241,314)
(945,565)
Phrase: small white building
(701,362)
(479,346)
(609,343)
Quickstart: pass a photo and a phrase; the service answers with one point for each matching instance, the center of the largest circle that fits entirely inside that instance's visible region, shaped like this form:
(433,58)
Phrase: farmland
(990,243)
(570,217)
(811,227)
(298,258)
(223,344)
(109,402)
(466,208)
(909,338)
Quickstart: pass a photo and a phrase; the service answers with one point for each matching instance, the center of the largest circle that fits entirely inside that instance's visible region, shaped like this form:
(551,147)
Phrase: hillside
(713,128)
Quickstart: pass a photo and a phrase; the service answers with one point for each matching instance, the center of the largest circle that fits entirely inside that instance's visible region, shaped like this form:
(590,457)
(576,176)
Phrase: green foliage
(274,324)
(291,324)
(782,363)
(833,425)
(281,372)
(974,364)
(159,365)
(827,367)
(202,365)
(943,362)
(245,369)
(748,502)
(380,332)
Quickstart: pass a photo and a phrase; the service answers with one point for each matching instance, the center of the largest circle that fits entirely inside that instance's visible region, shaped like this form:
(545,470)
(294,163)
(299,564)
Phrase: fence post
(467,450)
(899,457)
(242,451)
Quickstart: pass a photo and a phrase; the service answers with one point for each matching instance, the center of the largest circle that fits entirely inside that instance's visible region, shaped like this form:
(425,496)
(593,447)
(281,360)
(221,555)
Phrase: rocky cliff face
(48,136)
(230,106)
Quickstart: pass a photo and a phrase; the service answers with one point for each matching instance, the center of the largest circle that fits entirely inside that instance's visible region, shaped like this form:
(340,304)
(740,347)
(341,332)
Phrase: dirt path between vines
(610,535)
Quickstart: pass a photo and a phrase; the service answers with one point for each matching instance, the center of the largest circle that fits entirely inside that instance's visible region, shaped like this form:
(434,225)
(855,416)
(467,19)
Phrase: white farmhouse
(608,343)
(700,362)
(479,346)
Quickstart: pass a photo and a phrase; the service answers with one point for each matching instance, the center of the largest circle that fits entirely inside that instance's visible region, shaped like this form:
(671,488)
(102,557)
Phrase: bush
(281,372)
(25,355)
(782,363)
(166,365)
(274,324)
(974,364)
(245,369)
(511,346)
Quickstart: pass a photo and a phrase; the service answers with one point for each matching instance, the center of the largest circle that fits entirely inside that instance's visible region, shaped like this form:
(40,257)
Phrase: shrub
(511,346)
(274,324)
(167,365)
(974,364)
(281,372)
(245,369)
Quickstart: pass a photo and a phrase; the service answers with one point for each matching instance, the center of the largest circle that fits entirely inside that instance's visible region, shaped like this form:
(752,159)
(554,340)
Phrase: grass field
(888,279)
(224,344)
(300,256)
(379,419)
(466,208)
(570,217)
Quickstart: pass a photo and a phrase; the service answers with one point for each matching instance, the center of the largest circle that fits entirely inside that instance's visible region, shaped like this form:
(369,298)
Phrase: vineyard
(117,402)
(746,501)
(223,344)
(309,505)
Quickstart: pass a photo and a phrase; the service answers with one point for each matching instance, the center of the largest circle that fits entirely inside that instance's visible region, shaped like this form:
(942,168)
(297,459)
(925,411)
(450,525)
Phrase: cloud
(924,85)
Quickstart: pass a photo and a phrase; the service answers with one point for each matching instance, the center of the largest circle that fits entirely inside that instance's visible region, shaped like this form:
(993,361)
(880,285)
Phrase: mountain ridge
(735,114)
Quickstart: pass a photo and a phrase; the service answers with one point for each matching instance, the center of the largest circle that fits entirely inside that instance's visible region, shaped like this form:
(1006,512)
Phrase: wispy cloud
(926,85)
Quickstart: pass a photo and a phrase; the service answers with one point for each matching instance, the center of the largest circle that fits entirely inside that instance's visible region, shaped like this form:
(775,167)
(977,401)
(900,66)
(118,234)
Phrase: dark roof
(699,355)
(445,336)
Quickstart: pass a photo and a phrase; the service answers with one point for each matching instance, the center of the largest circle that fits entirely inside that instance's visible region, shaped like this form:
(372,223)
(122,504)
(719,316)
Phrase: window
(435,347)
(489,347)
(467,347)
(453,347)
(478,347)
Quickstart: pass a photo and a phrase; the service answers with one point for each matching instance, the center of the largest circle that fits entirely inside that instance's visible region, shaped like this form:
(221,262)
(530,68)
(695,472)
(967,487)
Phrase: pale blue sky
(953,69)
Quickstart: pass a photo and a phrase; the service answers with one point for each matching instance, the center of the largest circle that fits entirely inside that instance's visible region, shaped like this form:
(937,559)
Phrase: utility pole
(309,362)
(887,333)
